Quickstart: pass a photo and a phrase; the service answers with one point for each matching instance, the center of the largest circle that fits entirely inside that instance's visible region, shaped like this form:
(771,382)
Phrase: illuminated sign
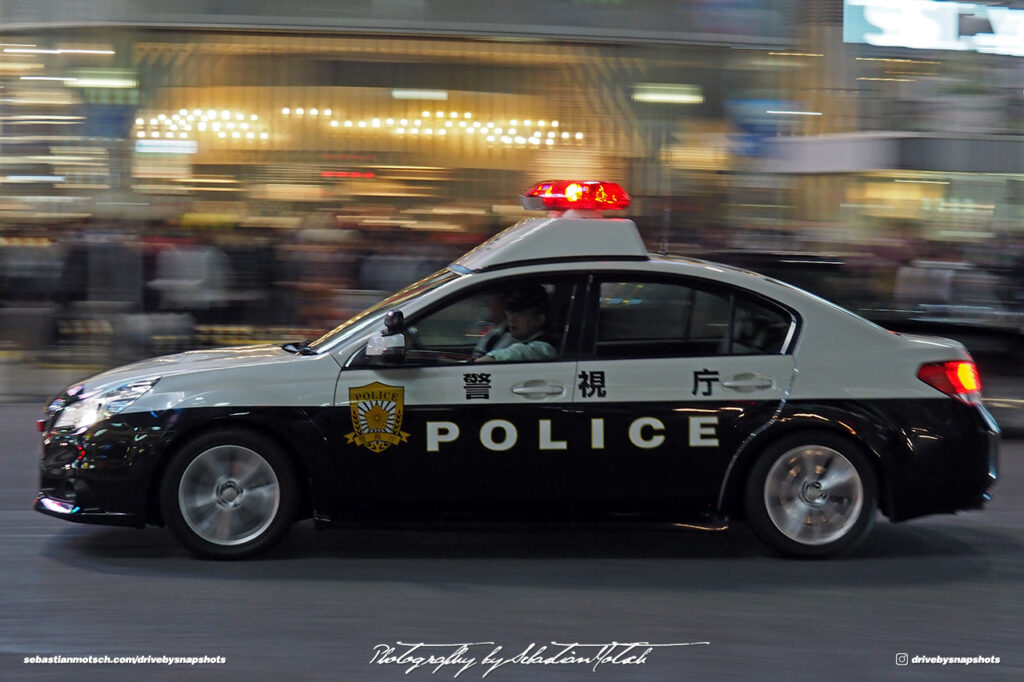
(166,146)
(931,25)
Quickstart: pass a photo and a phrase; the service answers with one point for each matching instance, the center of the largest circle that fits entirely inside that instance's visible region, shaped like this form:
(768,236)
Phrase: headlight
(97,407)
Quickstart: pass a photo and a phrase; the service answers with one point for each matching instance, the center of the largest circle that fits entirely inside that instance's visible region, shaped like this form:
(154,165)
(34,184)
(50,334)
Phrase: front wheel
(811,495)
(229,495)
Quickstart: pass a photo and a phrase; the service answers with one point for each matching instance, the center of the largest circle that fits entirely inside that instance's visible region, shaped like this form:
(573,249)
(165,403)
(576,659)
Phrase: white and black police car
(556,372)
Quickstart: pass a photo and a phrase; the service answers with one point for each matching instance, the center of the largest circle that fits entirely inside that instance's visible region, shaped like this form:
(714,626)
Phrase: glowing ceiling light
(141,133)
(326,112)
(183,112)
(313,112)
(264,136)
(286,111)
(299,111)
(420,94)
(139,121)
(334,124)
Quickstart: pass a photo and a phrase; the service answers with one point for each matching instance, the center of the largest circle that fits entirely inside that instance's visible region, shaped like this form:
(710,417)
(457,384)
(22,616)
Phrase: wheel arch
(872,439)
(264,428)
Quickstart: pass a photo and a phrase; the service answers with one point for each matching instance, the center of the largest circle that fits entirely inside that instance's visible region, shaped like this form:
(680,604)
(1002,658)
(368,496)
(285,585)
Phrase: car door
(674,375)
(446,431)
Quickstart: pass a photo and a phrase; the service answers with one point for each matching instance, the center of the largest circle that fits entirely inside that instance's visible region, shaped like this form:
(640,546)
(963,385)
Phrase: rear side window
(638,319)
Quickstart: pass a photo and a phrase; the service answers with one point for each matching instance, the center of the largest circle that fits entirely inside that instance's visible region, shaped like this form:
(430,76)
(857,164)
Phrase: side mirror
(386,350)
(388,347)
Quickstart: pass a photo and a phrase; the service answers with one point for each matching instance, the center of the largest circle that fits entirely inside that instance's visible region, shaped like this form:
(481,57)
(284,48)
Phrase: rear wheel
(811,495)
(229,495)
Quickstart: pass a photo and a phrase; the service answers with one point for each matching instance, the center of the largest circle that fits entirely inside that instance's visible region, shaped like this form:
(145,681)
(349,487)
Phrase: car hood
(188,362)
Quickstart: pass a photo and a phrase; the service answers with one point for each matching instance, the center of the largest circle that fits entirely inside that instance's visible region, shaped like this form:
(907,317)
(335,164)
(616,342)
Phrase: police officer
(524,336)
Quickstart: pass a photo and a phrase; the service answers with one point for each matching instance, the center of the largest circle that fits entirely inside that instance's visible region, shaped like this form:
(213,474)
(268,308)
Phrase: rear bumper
(950,462)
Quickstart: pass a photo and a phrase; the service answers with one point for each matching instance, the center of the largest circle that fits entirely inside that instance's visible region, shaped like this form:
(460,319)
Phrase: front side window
(636,319)
(519,320)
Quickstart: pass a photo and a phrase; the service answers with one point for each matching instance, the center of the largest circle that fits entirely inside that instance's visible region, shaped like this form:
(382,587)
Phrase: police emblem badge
(377,411)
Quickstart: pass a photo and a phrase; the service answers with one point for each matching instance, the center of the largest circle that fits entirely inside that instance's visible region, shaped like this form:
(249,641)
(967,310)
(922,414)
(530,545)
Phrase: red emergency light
(565,195)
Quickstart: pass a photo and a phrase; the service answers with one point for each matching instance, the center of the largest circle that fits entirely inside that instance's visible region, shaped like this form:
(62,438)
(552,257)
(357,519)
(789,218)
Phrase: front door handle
(748,381)
(538,388)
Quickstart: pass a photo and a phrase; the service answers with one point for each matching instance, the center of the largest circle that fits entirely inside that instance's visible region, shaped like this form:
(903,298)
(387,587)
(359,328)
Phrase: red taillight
(40,425)
(958,378)
(563,195)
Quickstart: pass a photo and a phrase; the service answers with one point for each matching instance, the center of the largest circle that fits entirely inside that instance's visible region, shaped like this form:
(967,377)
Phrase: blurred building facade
(210,171)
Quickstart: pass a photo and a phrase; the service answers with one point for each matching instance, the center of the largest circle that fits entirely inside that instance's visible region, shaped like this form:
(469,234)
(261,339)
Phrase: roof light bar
(565,195)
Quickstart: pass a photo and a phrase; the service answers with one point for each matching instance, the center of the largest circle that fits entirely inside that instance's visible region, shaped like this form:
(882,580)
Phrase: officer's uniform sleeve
(522,352)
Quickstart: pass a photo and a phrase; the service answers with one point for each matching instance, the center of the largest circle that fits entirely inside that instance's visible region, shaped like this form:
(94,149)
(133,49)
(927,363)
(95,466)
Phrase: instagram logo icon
(902,659)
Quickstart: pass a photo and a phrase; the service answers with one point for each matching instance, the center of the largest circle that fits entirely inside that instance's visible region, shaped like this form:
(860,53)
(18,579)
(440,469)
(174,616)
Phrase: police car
(557,371)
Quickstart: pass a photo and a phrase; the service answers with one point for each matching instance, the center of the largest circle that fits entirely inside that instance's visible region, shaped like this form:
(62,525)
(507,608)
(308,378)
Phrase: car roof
(573,236)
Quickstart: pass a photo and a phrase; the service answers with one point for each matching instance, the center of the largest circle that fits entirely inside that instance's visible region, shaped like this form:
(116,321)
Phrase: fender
(294,429)
(869,424)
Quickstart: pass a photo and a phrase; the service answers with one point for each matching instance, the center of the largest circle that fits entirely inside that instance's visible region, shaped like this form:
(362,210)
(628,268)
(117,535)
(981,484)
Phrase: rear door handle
(538,388)
(748,381)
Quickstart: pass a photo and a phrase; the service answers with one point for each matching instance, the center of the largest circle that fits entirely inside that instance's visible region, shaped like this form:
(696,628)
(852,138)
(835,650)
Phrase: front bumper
(50,503)
(101,475)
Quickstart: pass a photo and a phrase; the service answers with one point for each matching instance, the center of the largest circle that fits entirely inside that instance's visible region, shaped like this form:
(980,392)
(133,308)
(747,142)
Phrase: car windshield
(377,312)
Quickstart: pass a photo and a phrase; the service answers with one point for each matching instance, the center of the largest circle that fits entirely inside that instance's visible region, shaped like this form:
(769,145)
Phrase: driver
(525,337)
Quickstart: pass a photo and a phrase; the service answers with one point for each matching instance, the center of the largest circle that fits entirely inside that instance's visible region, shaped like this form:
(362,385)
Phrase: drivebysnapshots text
(124,660)
(487,657)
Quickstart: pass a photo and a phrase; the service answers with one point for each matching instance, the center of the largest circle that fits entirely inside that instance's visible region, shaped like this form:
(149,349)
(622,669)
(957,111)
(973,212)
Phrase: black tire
(229,494)
(811,494)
